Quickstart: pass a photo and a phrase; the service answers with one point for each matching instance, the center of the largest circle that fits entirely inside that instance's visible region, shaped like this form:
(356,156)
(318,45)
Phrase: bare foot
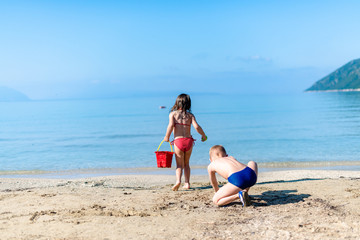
(247,201)
(186,186)
(176,187)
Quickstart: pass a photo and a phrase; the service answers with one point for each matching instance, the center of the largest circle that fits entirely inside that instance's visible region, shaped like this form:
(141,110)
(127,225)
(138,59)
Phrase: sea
(119,136)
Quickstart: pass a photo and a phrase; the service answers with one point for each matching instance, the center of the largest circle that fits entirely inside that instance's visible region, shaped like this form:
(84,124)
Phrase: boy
(240,177)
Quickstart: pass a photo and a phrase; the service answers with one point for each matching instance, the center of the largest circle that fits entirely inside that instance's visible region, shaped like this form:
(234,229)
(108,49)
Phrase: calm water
(124,133)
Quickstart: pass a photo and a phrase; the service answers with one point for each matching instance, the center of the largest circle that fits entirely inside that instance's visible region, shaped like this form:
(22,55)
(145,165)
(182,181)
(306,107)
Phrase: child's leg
(187,169)
(253,166)
(226,194)
(179,156)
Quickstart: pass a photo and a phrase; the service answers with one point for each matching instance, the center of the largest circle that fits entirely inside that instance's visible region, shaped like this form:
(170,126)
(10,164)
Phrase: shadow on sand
(275,197)
(291,181)
(280,197)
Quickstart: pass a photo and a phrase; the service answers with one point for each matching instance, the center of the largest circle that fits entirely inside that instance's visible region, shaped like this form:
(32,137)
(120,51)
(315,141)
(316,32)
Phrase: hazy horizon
(97,49)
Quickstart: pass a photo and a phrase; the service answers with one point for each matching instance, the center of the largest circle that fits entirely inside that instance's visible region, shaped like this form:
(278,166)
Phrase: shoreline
(144,181)
(195,170)
(336,90)
(147,180)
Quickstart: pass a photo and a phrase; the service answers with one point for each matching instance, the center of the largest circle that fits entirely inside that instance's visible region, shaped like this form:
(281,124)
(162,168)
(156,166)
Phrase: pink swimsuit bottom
(184,144)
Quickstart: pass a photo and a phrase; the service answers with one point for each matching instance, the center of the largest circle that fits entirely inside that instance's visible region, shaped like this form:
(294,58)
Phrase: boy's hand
(204,138)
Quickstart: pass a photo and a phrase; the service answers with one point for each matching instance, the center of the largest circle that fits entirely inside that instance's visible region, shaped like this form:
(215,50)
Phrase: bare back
(226,166)
(182,124)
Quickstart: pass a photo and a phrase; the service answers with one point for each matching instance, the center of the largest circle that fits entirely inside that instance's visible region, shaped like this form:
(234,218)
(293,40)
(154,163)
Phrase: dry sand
(300,204)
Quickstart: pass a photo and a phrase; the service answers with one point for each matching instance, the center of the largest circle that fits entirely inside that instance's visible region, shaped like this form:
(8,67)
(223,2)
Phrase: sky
(90,49)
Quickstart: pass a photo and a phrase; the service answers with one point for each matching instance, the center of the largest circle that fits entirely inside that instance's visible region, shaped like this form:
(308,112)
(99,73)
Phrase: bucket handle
(162,143)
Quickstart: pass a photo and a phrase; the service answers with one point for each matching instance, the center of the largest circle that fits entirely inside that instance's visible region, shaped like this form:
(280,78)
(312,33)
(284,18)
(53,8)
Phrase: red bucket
(164,158)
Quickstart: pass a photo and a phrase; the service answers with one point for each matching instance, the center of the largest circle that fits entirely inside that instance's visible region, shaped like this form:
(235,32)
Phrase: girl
(180,120)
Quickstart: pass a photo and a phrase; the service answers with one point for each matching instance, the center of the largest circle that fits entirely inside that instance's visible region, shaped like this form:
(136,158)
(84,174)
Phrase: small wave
(308,164)
(79,146)
(81,173)
(121,136)
(23,172)
(112,136)
(65,139)
(9,139)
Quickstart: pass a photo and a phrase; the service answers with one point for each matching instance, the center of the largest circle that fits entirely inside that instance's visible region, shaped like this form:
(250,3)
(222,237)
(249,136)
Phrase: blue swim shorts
(244,178)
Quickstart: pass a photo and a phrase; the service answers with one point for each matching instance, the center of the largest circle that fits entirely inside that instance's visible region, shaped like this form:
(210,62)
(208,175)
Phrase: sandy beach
(296,204)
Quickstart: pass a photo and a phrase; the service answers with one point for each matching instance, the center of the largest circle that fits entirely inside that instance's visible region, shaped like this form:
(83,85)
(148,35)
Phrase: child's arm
(198,129)
(169,128)
(212,176)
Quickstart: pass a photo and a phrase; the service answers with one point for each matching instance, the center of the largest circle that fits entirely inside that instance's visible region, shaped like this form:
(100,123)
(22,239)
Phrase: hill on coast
(11,95)
(345,78)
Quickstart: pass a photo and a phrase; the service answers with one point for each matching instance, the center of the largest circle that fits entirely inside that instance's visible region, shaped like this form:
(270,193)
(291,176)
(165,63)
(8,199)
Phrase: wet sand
(297,204)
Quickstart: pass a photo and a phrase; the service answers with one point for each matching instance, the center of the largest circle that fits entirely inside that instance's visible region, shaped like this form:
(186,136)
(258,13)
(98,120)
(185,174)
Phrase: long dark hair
(183,103)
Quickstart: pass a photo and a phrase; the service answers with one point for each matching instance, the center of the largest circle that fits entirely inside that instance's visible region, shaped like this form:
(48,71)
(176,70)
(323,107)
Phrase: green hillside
(346,77)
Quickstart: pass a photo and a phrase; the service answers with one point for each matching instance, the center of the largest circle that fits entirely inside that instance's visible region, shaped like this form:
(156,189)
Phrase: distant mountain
(345,78)
(10,95)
